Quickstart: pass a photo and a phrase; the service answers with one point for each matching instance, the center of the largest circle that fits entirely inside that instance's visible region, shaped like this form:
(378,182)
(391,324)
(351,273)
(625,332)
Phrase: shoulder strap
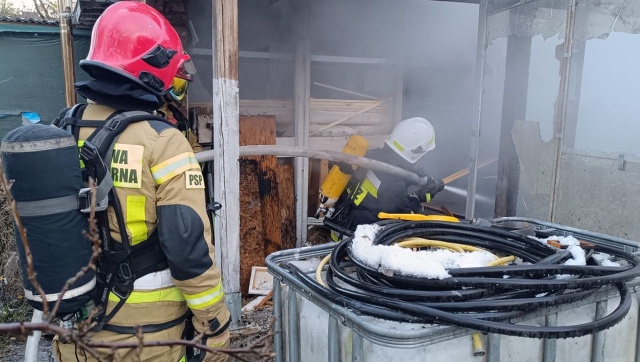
(102,138)
(69,119)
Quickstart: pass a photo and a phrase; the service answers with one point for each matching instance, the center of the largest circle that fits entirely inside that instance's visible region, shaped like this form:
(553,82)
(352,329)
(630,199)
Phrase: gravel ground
(16,354)
(255,325)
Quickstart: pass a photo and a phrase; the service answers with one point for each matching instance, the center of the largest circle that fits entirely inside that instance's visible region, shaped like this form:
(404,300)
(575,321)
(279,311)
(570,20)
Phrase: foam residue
(605,259)
(573,245)
(393,259)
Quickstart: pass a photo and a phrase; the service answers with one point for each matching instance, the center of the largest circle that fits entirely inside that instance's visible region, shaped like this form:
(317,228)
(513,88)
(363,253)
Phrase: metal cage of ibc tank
(288,291)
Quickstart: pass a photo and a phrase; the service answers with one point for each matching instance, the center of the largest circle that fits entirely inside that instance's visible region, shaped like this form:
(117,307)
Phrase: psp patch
(194,180)
(126,165)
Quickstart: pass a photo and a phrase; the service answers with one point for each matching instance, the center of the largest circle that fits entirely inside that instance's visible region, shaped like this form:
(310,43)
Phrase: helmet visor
(186,70)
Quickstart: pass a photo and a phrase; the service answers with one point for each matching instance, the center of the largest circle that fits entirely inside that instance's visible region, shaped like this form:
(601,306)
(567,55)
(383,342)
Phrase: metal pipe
(598,340)
(277,316)
(292,151)
(333,340)
(505,7)
(561,106)
(31,351)
(637,359)
(302,119)
(493,347)
(293,338)
(549,345)
(66,42)
(357,347)
(481,55)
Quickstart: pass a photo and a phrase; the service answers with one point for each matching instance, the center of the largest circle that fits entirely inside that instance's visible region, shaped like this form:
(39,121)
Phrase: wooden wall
(267,218)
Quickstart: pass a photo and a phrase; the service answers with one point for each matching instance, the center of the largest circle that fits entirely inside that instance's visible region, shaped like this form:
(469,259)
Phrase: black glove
(429,190)
(217,330)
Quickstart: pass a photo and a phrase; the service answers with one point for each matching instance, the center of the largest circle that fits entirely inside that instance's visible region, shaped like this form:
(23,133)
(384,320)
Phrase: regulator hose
(486,299)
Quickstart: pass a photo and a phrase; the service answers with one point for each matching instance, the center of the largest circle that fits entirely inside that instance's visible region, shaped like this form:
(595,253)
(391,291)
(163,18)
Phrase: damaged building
(532,100)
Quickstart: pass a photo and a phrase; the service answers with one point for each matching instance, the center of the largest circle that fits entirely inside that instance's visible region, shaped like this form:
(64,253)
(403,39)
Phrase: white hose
(31,351)
(290,151)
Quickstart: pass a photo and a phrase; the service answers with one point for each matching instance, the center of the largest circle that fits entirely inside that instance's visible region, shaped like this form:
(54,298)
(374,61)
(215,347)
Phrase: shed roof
(11,19)
(31,25)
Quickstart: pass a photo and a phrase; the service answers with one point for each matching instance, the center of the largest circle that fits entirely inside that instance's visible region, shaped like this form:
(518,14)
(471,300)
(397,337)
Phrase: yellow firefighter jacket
(161,188)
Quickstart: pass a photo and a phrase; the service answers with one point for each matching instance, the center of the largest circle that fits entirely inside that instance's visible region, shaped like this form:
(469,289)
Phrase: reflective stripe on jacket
(160,187)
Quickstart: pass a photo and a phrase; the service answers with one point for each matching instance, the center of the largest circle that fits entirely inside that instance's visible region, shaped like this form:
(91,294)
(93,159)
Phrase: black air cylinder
(43,163)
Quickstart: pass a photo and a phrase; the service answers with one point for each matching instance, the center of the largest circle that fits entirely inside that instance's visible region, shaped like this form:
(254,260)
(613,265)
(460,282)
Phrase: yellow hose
(323,262)
(417,217)
(502,261)
(419,242)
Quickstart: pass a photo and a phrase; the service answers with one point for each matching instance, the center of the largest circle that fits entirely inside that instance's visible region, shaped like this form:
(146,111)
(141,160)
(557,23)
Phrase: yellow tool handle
(417,217)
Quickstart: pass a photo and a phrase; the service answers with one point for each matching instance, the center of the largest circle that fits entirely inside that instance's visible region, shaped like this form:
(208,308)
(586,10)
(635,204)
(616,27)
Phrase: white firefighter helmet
(412,138)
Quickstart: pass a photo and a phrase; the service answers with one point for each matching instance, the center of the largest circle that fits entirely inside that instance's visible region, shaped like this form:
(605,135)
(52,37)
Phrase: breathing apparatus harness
(337,217)
(120,263)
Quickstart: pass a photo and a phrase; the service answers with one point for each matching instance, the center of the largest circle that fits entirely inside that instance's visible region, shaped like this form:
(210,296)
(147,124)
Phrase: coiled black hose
(487,299)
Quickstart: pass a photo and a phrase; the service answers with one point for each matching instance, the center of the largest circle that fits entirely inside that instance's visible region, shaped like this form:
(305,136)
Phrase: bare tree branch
(43,7)
(140,343)
(7,8)
(23,235)
(89,350)
(37,8)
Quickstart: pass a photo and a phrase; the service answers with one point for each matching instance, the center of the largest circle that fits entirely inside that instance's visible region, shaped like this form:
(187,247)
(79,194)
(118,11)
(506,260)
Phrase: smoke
(417,58)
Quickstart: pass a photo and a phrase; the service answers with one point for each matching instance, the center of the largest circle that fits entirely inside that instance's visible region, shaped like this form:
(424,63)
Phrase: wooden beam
(252,233)
(261,130)
(344,119)
(66,41)
(225,143)
(286,198)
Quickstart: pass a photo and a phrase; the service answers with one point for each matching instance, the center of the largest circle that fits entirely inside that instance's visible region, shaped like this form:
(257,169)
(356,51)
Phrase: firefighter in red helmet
(134,56)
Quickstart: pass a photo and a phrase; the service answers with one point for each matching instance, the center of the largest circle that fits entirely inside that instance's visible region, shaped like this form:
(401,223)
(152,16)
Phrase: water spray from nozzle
(462,192)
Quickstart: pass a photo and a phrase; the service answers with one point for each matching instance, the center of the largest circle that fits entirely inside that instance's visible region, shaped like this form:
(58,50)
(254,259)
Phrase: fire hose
(291,151)
(487,299)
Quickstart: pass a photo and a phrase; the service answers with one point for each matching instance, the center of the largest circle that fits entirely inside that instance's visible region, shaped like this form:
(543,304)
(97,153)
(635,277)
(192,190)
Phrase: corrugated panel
(30,25)
(10,19)
(32,79)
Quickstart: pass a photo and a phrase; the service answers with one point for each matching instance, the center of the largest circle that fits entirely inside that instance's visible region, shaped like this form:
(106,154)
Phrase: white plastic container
(616,344)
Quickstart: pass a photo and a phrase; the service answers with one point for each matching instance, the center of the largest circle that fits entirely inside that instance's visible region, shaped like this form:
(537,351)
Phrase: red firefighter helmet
(134,41)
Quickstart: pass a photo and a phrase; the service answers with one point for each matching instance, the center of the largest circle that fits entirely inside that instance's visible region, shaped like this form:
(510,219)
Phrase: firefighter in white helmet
(369,193)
